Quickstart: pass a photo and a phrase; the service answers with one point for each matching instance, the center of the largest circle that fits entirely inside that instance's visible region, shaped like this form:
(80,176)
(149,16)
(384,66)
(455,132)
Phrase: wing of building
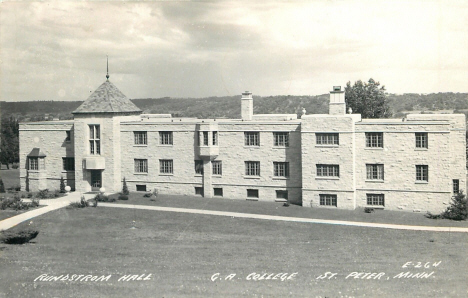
(334,160)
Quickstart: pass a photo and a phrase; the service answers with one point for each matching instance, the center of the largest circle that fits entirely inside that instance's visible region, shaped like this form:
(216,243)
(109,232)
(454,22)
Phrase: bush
(101,198)
(458,209)
(17,188)
(2,186)
(34,202)
(81,204)
(18,237)
(30,195)
(368,210)
(123,197)
(125,188)
(15,166)
(56,194)
(148,194)
(62,185)
(43,194)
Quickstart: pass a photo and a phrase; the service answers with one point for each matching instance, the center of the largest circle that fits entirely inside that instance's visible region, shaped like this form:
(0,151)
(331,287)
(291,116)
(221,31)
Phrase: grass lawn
(183,251)
(10,177)
(269,208)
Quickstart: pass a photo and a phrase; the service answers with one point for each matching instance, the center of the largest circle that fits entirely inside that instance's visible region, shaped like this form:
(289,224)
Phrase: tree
(9,146)
(125,188)
(367,99)
(62,185)
(2,186)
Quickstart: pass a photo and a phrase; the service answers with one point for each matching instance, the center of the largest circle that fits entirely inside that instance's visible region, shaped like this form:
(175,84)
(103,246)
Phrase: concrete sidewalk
(50,205)
(290,219)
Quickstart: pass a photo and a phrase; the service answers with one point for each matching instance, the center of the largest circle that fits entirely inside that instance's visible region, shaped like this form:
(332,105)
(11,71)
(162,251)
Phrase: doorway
(96,180)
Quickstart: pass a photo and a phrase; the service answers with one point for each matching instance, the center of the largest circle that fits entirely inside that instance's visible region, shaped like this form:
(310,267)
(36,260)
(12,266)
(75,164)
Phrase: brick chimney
(337,105)
(247,106)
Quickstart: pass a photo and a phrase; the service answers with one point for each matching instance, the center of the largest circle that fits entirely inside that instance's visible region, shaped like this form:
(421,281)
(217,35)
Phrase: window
(33,163)
(375,171)
(215,138)
(166,166)
(281,139)
(165,138)
(327,138)
(374,139)
(252,138)
(68,163)
(252,168)
(328,200)
(456,186)
(141,166)
(199,167)
(218,191)
(281,169)
(217,166)
(94,140)
(68,138)
(421,139)
(252,193)
(141,187)
(205,138)
(282,194)
(422,173)
(375,199)
(328,170)
(199,190)
(141,137)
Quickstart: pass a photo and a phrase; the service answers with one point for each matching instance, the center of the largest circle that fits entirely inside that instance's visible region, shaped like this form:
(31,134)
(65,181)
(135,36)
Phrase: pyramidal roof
(107,99)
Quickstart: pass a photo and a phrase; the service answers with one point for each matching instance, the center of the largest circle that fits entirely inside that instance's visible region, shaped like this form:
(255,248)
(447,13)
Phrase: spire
(107,76)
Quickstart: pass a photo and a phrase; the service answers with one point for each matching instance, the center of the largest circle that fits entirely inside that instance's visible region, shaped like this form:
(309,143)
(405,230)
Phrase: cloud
(56,50)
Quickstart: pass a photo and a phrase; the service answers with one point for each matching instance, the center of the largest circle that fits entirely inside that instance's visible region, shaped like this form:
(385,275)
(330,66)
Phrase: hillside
(229,106)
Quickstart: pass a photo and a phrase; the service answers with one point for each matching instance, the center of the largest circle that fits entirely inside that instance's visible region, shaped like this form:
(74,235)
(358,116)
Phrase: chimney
(247,106)
(337,104)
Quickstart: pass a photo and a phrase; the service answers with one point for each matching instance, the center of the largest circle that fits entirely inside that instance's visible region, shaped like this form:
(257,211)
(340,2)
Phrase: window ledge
(252,199)
(68,171)
(281,200)
(375,181)
(33,171)
(216,176)
(140,173)
(251,177)
(422,182)
(421,149)
(374,148)
(166,174)
(165,145)
(280,147)
(327,178)
(198,175)
(140,145)
(375,207)
(253,146)
(327,146)
(280,178)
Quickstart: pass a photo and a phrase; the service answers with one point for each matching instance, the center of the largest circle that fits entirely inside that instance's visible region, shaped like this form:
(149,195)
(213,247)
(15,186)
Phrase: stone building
(336,160)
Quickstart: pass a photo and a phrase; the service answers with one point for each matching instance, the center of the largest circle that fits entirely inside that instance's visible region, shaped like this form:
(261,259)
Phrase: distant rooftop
(107,99)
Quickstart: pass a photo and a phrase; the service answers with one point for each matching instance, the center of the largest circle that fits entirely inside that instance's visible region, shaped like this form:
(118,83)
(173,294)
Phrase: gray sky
(57,50)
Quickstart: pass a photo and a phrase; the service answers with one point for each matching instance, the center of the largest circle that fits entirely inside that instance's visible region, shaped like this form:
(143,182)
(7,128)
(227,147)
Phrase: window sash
(375,199)
(422,173)
(166,166)
(375,171)
(456,186)
(328,200)
(205,138)
(327,139)
(165,138)
(68,163)
(141,166)
(252,168)
(281,169)
(252,138)
(141,138)
(374,139)
(215,138)
(281,139)
(34,163)
(217,167)
(328,170)
(199,167)
(94,140)
(421,140)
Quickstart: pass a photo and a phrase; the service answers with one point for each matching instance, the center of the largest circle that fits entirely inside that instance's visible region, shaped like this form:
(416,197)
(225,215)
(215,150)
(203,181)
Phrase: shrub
(15,166)
(19,237)
(43,194)
(95,202)
(125,188)
(2,186)
(17,188)
(458,209)
(368,210)
(123,197)
(62,185)
(81,204)
(148,194)
(101,198)
(30,195)
(56,194)
(34,202)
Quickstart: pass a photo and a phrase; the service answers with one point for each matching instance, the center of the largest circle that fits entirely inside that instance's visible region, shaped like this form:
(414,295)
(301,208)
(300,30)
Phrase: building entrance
(96,180)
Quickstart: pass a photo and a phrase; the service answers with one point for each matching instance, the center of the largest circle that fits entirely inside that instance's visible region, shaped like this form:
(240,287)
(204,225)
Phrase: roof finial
(107,76)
